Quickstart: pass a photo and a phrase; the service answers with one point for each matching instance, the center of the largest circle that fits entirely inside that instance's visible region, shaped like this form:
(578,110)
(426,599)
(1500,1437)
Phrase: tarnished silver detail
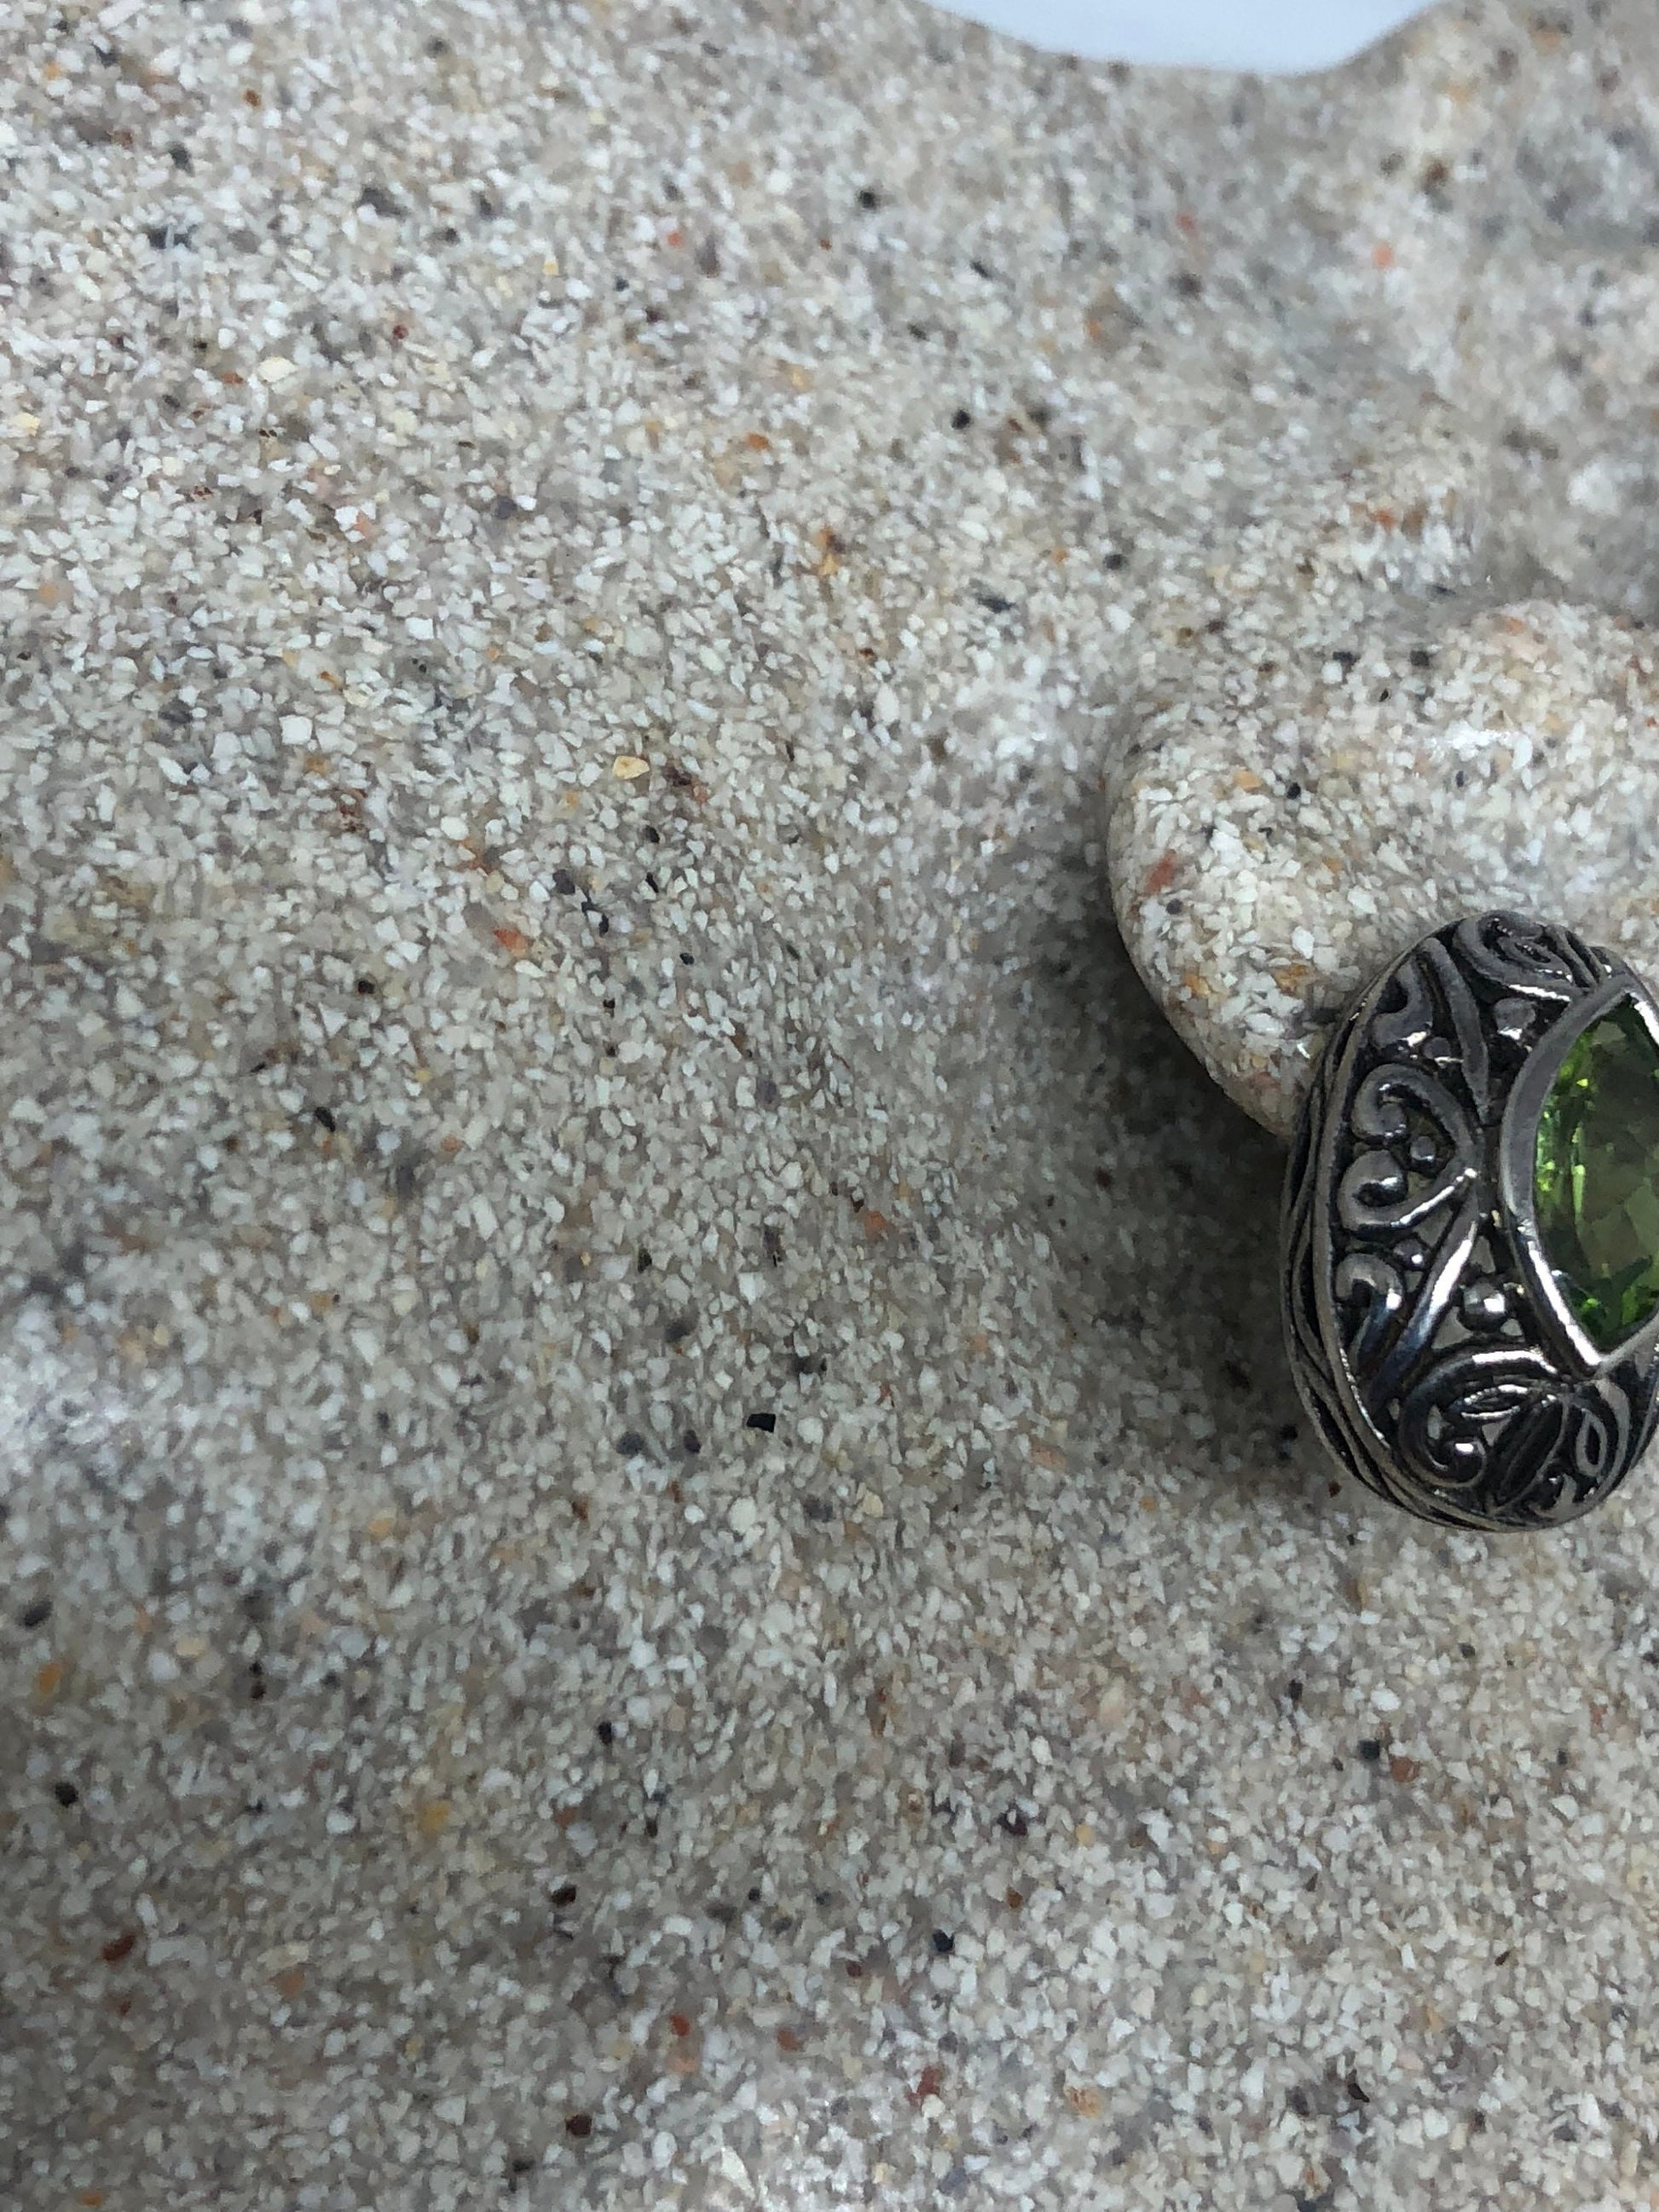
(1427,1333)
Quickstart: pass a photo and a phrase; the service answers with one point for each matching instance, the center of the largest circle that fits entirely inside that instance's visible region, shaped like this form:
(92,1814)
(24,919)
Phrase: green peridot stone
(1596,1170)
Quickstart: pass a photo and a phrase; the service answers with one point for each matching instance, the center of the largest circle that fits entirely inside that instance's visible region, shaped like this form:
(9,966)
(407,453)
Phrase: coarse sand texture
(656,1552)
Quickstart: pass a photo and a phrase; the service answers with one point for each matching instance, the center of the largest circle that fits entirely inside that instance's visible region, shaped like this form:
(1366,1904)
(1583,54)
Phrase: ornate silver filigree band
(1429,1335)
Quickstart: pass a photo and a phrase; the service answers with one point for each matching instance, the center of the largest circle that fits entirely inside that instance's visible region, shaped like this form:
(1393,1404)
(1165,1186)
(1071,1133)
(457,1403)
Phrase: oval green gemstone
(1596,1169)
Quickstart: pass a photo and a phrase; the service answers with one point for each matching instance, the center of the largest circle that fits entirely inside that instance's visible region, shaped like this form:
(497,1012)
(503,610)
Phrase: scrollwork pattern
(1413,1344)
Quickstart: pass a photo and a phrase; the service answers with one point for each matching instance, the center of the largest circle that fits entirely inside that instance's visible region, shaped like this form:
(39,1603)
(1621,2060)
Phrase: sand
(658,1551)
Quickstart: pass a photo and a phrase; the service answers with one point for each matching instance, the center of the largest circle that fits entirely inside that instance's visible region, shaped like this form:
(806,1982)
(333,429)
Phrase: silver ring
(1471,1228)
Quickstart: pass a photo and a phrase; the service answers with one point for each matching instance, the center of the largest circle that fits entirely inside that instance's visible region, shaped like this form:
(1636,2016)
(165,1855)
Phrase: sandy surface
(656,1550)
(1290,825)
